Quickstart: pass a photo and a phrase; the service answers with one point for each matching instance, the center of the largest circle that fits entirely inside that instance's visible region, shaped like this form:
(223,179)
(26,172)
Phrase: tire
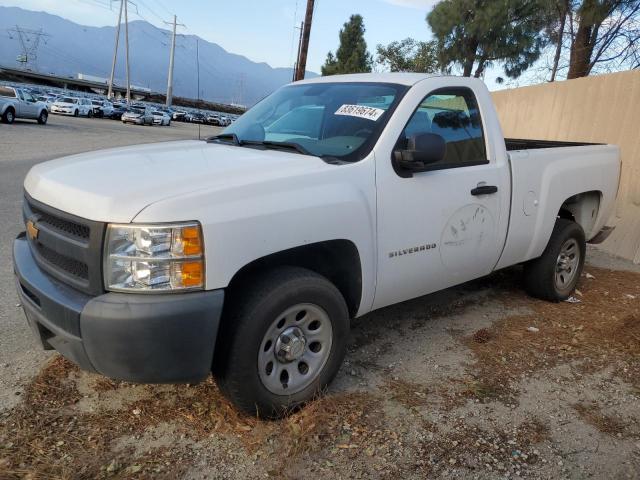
(89,114)
(75,113)
(44,116)
(285,302)
(8,116)
(554,275)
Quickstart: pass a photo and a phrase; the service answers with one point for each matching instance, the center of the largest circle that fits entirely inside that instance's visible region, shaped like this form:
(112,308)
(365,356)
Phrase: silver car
(19,103)
(138,116)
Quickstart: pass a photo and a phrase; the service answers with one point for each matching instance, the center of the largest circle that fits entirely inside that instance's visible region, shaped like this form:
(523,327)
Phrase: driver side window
(453,114)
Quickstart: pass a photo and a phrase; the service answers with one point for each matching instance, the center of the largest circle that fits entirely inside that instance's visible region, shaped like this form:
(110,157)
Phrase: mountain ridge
(72,48)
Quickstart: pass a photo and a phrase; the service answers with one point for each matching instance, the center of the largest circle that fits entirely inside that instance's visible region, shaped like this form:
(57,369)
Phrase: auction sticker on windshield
(360,111)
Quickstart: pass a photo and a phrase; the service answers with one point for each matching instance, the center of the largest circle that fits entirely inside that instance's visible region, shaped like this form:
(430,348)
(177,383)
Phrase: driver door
(30,107)
(440,227)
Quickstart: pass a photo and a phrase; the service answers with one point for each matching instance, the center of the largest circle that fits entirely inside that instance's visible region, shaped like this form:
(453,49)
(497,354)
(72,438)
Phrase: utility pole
(126,41)
(115,52)
(304,48)
(172,54)
(295,66)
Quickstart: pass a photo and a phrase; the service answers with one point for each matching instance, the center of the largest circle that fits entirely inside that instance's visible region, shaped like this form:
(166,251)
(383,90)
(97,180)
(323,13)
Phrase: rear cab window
(453,114)
(7,92)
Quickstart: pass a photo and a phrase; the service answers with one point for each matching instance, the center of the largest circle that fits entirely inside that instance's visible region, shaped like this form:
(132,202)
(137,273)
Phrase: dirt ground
(479,381)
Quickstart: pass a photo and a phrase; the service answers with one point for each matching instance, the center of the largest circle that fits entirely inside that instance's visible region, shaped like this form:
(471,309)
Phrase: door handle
(484,190)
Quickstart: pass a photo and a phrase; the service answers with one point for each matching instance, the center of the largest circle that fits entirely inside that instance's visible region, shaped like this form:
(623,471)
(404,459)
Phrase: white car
(48,100)
(73,106)
(247,255)
(224,121)
(161,118)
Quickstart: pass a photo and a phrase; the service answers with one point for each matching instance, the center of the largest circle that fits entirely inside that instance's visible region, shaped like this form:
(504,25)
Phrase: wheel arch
(583,208)
(337,260)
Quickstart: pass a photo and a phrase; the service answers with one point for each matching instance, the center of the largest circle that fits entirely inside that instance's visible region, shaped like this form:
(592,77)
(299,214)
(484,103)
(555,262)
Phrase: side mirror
(422,149)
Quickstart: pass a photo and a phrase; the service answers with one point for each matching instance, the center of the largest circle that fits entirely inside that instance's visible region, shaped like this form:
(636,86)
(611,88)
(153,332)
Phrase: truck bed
(527,144)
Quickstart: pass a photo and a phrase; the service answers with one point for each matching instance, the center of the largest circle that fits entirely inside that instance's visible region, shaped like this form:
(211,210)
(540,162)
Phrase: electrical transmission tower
(29,41)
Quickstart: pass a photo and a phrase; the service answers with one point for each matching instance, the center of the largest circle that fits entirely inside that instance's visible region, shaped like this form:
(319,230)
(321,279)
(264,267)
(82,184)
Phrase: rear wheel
(282,342)
(8,116)
(90,114)
(42,119)
(554,275)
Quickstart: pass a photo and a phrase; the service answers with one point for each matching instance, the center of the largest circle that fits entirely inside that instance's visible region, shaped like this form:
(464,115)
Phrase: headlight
(154,258)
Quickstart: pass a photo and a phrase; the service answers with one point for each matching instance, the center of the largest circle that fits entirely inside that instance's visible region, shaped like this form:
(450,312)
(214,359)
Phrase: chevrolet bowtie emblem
(32,230)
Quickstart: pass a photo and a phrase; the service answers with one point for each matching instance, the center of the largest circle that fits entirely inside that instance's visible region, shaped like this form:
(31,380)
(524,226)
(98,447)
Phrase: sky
(262,30)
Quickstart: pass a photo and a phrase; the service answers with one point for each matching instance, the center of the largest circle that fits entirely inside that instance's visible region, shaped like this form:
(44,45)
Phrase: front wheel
(282,342)
(75,113)
(42,119)
(554,275)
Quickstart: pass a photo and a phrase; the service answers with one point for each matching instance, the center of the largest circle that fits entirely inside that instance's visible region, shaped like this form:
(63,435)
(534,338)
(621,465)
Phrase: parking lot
(479,381)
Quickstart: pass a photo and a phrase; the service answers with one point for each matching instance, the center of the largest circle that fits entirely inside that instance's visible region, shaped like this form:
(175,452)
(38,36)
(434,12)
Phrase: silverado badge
(32,230)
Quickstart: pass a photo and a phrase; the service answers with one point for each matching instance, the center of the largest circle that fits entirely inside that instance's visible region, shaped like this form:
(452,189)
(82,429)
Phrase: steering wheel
(363,132)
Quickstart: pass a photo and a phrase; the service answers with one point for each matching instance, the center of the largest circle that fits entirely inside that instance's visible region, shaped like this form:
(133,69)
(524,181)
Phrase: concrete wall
(600,109)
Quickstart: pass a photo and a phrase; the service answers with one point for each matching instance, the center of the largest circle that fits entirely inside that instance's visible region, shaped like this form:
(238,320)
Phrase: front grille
(69,265)
(76,230)
(67,247)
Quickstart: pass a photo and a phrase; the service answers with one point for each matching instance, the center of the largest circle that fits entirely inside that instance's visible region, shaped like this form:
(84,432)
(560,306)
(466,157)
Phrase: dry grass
(607,424)
(603,331)
(409,394)
(47,436)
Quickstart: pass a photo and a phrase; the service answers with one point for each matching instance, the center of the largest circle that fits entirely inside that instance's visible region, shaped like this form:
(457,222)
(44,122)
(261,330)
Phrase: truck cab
(331,198)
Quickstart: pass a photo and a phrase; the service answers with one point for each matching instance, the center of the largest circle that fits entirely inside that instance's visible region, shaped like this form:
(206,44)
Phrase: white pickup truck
(18,103)
(246,255)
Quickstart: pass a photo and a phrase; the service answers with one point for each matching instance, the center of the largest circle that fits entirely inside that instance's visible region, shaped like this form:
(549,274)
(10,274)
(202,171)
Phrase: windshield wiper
(259,143)
(280,145)
(226,136)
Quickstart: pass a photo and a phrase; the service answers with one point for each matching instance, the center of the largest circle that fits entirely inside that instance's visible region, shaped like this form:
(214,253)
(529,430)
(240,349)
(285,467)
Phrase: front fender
(243,223)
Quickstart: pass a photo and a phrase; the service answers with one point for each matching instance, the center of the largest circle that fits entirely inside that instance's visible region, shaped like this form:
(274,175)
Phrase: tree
(352,55)
(408,55)
(602,32)
(482,32)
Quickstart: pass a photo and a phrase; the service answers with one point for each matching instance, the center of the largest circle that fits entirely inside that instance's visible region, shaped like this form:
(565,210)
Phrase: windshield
(326,119)
(68,100)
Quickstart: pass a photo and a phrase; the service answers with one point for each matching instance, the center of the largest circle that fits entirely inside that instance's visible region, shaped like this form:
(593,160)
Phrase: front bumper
(135,121)
(163,338)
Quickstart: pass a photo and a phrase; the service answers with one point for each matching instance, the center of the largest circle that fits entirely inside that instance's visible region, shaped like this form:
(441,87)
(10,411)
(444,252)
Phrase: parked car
(250,262)
(179,116)
(213,119)
(161,118)
(118,110)
(72,106)
(47,100)
(224,121)
(102,108)
(138,116)
(196,117)
(18,103)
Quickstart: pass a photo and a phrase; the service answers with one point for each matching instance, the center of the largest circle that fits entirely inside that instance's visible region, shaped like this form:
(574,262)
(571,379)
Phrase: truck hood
(115,185)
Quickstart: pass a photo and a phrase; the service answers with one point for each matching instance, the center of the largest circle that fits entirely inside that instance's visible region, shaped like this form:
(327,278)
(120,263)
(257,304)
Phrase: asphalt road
(22,145)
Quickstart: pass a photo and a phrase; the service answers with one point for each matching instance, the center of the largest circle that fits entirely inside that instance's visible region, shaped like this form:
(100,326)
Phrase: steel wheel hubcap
(295,349)
(567,264)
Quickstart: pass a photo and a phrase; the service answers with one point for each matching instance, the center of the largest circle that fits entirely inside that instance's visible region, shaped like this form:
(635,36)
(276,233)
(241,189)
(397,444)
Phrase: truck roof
(398,78)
